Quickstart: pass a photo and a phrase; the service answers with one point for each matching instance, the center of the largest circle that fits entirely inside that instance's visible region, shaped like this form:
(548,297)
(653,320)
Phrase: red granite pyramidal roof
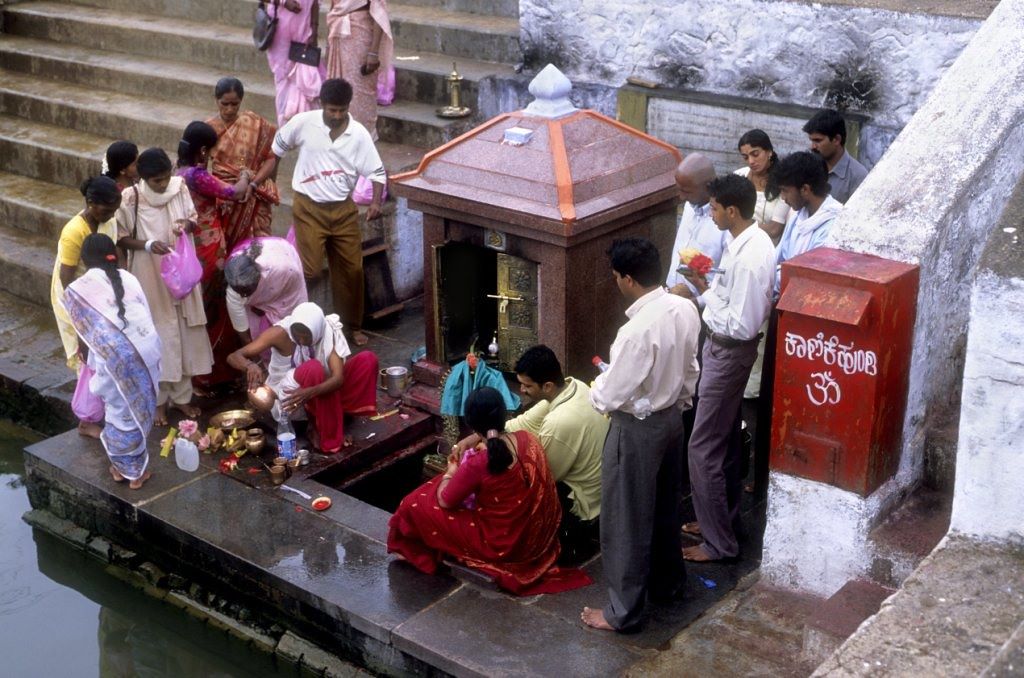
(574,166)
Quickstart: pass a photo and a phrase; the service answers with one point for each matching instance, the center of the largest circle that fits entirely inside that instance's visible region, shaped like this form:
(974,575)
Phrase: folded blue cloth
(461,383)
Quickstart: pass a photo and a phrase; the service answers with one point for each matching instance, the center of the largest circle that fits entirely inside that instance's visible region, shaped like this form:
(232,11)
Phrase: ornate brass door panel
(517,308)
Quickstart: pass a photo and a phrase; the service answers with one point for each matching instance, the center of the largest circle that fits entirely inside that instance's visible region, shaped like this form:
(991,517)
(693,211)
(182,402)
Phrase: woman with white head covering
(312,371)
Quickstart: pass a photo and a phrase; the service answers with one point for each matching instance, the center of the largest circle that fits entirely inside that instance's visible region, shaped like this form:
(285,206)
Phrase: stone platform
(327,576)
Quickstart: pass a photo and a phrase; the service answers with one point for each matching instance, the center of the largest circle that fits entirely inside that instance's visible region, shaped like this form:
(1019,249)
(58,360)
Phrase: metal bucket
(396,380)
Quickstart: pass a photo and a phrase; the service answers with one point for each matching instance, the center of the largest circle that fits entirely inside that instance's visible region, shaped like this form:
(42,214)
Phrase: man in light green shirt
(572,434)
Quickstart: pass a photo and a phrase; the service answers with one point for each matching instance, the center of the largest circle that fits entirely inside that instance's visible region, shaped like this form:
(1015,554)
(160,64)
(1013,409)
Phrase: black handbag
(264,27)
(302,53)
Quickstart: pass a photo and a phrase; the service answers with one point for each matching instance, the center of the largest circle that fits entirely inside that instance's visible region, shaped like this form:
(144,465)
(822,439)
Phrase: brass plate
(232,419)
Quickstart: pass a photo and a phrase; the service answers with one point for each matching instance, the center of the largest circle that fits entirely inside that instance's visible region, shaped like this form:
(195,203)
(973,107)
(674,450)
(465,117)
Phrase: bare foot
(697,554)
(595,619)
(692,529)
(360,339)
(188,409)
(137,484)
(118,478)
(160,416)
(89,429)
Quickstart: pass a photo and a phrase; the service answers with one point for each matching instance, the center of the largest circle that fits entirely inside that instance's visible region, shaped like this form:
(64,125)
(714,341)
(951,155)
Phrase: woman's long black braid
(99,251)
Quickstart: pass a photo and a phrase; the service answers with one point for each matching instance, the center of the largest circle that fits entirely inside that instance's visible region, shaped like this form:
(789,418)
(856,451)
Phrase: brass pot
(262,399)
(254,440)
(278,474)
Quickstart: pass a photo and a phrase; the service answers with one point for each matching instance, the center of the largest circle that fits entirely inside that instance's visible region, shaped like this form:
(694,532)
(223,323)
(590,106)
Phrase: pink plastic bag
(386,87)
(86,405)
(181,269)
(363,195)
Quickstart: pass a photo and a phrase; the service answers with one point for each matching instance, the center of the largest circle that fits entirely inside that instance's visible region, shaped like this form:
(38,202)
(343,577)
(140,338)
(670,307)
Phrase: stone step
(417,124)
(909,534)
(456,34)
(37,207)
(124,27)
(419,77)
(54,154)
(96,111)
(26,264)
(211,44)
(28,93)
(505,8)
(839,616)
(185,83)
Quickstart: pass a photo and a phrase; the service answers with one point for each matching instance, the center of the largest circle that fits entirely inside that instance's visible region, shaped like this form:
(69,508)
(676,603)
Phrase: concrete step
(125,27)
(26,264)
(54,154)
(184,83)
(205,43)
(420,76)
(909,534)
(417,124)
(456,34)
(37,207)
(96,111)
(839,616)
(34,64)
(505,8)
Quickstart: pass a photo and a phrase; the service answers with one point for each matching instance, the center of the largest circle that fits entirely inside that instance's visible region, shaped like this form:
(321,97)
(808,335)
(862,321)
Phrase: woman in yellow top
(102,198)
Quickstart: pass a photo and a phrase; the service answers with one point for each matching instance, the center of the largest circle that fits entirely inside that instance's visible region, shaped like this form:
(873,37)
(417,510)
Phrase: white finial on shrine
(551,94)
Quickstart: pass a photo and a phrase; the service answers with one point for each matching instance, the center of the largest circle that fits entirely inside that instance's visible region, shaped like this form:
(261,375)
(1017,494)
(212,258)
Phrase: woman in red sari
(245,140)
(496,510)
(208,192)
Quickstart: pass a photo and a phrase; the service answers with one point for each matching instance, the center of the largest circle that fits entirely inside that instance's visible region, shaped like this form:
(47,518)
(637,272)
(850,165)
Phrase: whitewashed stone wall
(988,500)
(785,52)
(933,204)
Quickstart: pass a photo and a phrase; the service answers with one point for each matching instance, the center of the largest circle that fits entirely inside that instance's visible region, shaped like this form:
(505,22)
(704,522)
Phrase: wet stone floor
(329,573)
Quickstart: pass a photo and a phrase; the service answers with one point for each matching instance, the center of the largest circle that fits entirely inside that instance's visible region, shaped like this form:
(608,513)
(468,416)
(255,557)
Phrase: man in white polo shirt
(334,151)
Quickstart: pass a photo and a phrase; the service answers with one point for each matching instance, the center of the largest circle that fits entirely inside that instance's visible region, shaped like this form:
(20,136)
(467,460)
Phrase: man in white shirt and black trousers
(334,151)
(736,305)
(650,381)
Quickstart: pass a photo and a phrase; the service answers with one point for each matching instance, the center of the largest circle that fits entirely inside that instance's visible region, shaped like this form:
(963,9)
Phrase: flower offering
(696,261)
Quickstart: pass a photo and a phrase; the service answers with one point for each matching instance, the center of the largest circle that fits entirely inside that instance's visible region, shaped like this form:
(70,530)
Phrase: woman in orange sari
(244,143)
(495,510)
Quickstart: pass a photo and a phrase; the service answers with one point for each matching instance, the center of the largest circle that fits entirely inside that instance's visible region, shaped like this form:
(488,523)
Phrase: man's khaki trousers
(333,227)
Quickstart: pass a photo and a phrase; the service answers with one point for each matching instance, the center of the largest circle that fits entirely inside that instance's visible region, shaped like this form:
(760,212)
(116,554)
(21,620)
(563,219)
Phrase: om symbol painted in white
(827,388)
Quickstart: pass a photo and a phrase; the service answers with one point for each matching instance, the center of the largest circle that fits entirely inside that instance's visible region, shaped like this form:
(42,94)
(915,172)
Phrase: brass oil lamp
(454,109)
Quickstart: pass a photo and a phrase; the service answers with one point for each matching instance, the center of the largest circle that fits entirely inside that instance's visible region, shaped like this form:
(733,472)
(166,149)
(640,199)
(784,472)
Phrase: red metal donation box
(842,364)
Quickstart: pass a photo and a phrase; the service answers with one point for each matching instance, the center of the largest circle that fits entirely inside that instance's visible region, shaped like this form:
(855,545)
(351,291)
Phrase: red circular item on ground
(321,503)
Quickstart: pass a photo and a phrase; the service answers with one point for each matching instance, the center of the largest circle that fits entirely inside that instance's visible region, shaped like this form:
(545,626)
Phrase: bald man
(696,229)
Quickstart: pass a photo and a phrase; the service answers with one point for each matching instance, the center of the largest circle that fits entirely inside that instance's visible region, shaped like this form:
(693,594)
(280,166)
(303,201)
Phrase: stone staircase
(75,76)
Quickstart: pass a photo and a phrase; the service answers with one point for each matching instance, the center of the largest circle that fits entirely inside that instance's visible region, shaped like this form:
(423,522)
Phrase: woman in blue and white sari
(109,311)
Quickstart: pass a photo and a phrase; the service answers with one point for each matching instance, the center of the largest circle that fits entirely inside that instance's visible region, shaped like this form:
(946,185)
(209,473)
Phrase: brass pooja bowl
(232,419)
(278,474)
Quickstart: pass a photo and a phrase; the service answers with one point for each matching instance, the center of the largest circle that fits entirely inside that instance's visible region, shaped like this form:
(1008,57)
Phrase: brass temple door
(517,308)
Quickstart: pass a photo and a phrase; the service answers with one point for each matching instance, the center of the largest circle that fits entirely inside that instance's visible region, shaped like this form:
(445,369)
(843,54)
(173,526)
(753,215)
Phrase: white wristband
(149,246)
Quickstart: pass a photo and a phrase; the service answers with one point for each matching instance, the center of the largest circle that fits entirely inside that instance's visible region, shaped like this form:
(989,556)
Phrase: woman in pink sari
(360,47)
(265,284)
(297,85)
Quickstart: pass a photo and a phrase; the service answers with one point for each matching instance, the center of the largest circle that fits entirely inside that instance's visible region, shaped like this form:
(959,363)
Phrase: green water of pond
(62,615)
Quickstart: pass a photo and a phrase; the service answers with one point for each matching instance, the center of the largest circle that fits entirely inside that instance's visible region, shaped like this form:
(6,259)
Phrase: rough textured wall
(988,500)
(879,62)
